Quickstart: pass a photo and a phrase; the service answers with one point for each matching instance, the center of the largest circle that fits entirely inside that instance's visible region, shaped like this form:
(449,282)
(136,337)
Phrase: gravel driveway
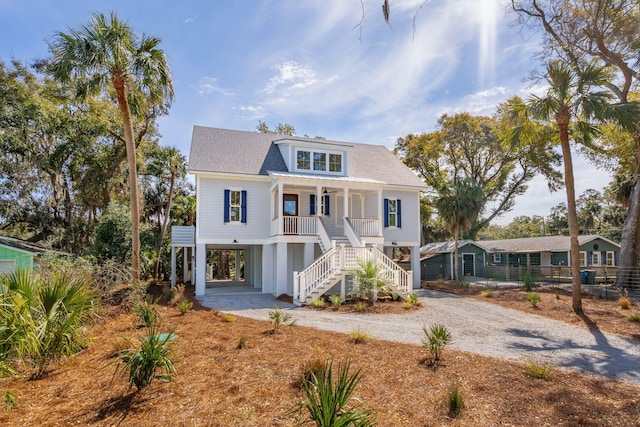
(476,326)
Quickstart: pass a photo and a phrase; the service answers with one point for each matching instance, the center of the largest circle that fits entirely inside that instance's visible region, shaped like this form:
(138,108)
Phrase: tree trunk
(629,253)
(576,287)
(165,222)
(455,256)
(119,84)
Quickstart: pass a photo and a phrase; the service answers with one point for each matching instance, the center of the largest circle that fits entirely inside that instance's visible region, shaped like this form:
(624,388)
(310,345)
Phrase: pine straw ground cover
(220,385)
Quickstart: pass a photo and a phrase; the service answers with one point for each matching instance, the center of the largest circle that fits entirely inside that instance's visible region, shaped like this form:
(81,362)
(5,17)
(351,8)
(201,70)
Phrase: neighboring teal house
(18,254)
(436,260)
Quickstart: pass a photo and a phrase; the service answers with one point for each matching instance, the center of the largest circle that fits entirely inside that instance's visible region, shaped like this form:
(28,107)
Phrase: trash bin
(591,277)
(584,276)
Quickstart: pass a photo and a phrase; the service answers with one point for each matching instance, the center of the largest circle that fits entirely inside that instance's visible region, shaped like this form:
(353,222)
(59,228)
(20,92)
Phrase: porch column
(279,209)
(185,264)
(347,214)
(248,265)
(173,266)
(237,265)
(201,268)
(281,268)
(256,267)
(318,200)
(380,212)
(309,254)
(415,266)
(267,269)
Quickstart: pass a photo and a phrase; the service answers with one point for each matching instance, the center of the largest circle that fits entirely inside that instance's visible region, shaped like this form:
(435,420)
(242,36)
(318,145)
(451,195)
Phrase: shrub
(280,317)
(487,293)
(359,337)
(10,400)
(454,400)
(463,283)
(625,303)
(43,320)
(528,280)
(412,299)
(540,370)
(361,306)
(336,301)
(147,311)
(184,306)
(242,342)
(177,294)
(435,339)
(154,353)
(227,318)
(326,399)
(634,317)
(368,280)
(318,303)
(533,299)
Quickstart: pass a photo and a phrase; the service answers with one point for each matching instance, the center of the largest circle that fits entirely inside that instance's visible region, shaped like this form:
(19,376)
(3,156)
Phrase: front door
(467,265)
(290,209)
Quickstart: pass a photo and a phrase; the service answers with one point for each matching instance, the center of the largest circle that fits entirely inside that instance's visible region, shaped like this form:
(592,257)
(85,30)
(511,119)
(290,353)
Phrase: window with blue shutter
(243,207)
(398,213)
(235,206)
(392,213)
(227,196)
(312,204)
(325,209)
(386,213)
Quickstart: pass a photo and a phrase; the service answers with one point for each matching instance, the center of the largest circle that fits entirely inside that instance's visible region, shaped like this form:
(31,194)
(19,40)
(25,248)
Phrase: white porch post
(309,254)
(345,209)
(318,200)
(201,268)
(380,213)
(248,265)
(267,270)
(173,266)
(237,266)
(185,264)
(279,209)
(415,266)
(281,268)
(256,268)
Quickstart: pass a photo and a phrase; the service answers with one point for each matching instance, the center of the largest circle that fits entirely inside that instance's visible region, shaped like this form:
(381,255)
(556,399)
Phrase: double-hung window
(583,258)
(611,258)
(596,258)
(235,206)
(392,213)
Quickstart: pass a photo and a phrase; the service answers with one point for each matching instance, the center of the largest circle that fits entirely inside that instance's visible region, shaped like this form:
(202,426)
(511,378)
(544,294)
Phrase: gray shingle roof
(537,244)
(254,153)
(445,247)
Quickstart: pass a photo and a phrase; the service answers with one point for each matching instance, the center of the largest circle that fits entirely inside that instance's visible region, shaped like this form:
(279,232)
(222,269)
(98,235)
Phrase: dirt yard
(220,385)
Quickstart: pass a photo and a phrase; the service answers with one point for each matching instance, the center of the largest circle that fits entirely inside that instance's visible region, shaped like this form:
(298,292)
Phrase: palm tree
(459,207)
(107,54)
(573,109)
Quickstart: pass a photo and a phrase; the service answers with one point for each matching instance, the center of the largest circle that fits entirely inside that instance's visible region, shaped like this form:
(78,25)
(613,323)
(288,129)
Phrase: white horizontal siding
(410,231)
(210,210)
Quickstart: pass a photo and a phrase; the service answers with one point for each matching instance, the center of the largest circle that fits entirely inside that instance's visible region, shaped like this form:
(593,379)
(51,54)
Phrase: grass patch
(227,318)
(318,303)
(487,293)
(242,342)
(634,317)
(538,369)
(454,400)
(359,337)
(336,301)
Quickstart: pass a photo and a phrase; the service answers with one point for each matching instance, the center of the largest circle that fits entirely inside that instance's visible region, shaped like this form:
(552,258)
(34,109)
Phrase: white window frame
(611,258)
(583,258)
(233,206)
(596,258)
(327,163)
(393,224)
(496,257)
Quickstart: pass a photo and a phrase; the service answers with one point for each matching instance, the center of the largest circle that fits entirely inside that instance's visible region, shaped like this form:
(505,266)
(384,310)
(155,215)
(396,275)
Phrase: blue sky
(308,63)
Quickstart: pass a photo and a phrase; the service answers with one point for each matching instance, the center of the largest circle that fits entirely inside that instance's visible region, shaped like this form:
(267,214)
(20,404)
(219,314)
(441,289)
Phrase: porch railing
(366,227)
(301,225)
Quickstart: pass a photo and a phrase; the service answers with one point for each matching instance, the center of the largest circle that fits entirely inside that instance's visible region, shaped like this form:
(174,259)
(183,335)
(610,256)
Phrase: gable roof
(255,153)
(539,244)
(24,246)
(446,247)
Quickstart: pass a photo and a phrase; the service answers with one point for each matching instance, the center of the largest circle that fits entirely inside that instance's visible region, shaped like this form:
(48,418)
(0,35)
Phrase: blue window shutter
(398,213)
(227,194)
(327,211)
(243,206)
(312,204)
(386,212)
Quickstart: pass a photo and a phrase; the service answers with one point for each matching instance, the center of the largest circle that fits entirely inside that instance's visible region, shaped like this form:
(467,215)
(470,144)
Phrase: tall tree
(459,207)
(107,54)
(579,31)
(572,105)
(472,147)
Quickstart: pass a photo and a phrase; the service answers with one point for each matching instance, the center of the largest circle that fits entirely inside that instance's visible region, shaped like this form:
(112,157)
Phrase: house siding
(21,259)
(410,231)
(211,209)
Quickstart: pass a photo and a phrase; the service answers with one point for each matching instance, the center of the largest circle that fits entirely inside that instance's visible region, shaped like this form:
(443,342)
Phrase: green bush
(147,311)
(184,306)
(280,317)
(533,299)
(435,339)
(454,400)
(634,317)
(154,353)
(528,280)
(336,301)
(318,303)
(369,280)
(326,399)
(361,306)
(42,321)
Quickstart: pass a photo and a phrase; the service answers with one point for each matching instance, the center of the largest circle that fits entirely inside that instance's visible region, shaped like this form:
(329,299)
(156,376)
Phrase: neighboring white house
(303,210)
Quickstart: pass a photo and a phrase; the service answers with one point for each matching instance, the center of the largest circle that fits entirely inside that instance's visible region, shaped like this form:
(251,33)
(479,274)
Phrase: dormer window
(319,161)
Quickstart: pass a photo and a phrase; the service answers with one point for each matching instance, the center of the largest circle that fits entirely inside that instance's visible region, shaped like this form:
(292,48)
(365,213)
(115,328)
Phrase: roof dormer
(315,157)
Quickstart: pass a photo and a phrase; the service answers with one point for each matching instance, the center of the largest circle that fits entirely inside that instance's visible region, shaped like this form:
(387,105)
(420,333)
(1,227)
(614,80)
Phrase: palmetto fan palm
(106,54)
(574,109)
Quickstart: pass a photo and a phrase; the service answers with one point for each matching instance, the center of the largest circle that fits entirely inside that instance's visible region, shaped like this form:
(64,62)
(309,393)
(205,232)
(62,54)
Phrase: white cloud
(294,77)
(209,85)
(189,20)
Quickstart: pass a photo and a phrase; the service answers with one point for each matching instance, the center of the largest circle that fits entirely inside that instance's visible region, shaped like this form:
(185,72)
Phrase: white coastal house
(302,210)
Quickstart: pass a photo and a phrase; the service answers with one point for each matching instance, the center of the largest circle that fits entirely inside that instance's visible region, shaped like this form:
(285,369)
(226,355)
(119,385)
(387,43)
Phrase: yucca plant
(435,339)
(326,399)
(147,312)
(280,317)
(368,280)
(151,359)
